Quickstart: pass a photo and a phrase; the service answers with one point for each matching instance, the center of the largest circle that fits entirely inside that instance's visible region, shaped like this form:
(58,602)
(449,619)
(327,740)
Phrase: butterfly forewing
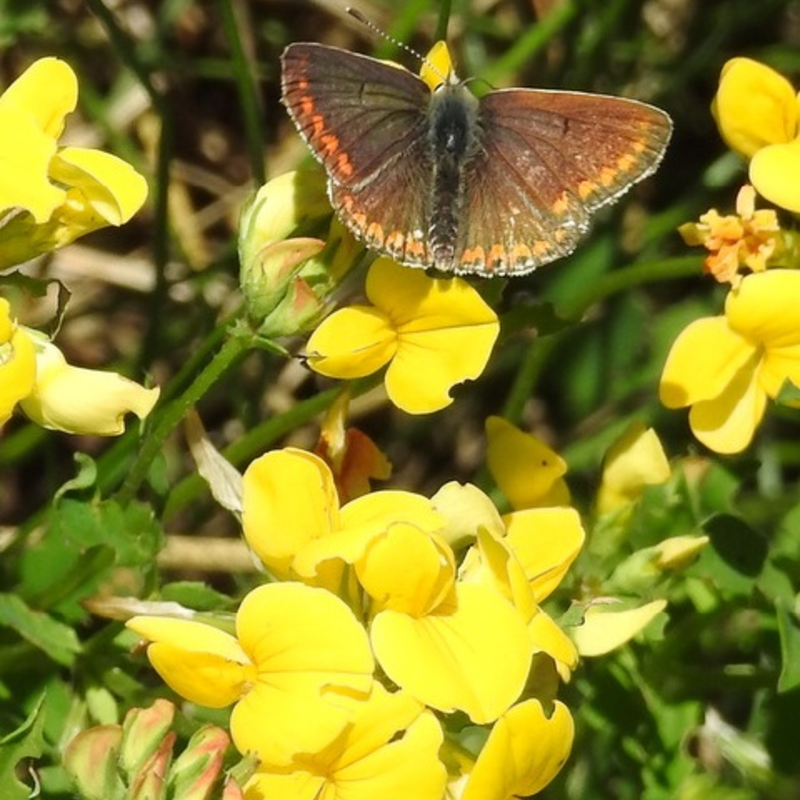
(548,159)
(366,122)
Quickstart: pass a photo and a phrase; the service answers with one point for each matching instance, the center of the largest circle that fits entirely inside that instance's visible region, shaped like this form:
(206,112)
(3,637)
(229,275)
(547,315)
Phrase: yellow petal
(47,91)
(754,107)
(429,363)
(111,186)
(289,499)
(604,630)
(450,660)
(297,634)
(546,541)
(17,363)
(87,401)
(524,752)
(764,308)
(466,509)
(207,679)
(526,470)
(704,359)
(548,638)
(25,154)
(407,570)
(727,423)
(361,522)
(775,172)
(277,724)
(635,460)
(201,663)
(351,343)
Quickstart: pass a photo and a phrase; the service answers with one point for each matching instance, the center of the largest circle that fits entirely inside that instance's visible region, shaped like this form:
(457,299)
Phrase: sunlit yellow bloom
(53,195)
(528,472)
(633,462)
(78,400)
(524,752)
(390,752)
(52,393)
(727,367)
(437,65)
(295,669)
(604,629)
(748,238)
(432,333)
(17,362)
(757,114)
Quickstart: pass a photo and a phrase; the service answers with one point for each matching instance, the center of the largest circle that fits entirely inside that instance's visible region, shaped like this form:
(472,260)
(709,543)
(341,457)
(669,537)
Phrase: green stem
(171,415)
(612,283)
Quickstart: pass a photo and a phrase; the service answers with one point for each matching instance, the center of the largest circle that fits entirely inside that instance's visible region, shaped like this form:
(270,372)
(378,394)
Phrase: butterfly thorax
(454,142)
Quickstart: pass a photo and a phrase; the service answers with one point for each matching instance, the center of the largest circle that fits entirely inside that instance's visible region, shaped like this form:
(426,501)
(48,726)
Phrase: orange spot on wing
(561,205)
(375,234)
(586,188)
(608,176)
(520,253)
(415,250)
(497,255)
(474,255)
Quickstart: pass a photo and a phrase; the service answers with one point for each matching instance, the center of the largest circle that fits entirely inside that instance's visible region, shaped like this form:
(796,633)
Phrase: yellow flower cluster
(392,615)
(51,195)
(387,609)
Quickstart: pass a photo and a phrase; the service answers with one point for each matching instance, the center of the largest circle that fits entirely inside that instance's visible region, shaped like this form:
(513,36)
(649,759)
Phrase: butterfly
(497,185)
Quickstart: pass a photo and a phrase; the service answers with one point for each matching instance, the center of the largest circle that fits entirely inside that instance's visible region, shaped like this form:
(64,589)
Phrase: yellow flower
(727,367)
(56,395)
(53,195)
(17,362)
(748,238)
(297,666)
(757,113)
(78,400)
(433,334)
(390,752)
(524,752)
(528,472)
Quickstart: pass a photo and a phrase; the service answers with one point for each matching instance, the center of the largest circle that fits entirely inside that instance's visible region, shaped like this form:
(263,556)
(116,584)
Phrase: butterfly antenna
(356,14)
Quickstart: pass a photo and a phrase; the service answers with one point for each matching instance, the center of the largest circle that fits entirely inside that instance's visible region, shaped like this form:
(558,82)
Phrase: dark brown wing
(547,161)
(365,121)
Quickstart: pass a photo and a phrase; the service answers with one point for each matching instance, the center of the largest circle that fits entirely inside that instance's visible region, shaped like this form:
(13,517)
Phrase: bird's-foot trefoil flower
(727,367)
(51,195)
(297,666)
(430,334)
(391,751)
(37,379)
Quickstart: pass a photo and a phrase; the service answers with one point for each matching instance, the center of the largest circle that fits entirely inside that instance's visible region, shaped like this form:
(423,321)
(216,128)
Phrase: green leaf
(789,632)
(57,640)
(736,555)
(25,742)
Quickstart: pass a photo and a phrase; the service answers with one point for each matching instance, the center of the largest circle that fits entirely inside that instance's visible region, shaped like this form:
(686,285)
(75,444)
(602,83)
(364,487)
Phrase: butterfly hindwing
(547,161)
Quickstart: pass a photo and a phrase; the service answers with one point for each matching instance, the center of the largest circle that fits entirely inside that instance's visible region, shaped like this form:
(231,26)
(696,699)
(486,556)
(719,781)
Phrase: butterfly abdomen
(453,142)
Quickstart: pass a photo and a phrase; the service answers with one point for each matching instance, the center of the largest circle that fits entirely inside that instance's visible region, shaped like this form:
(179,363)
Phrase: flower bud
(292,253)
(91,759)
